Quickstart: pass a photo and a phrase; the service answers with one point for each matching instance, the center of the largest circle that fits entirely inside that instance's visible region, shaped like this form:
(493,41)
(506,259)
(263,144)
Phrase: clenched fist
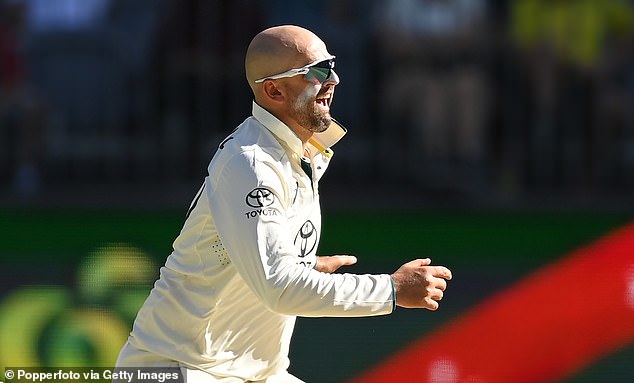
(420,285)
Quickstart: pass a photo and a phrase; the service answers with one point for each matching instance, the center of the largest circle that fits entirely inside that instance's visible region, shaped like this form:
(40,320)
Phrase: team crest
(306,239)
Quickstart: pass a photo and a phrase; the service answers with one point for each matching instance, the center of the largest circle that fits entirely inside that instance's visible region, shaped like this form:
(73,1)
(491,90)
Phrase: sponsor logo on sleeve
(260,199)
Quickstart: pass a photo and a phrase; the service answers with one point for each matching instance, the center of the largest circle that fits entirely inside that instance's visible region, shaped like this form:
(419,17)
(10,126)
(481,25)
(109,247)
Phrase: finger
(441,272)
(440,284)
(431,304)
(436,295)
(331,263)
(421,262)
(346,260)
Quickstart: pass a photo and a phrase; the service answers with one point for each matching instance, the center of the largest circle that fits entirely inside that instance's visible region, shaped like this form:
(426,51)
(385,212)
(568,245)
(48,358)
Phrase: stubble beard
(308,114)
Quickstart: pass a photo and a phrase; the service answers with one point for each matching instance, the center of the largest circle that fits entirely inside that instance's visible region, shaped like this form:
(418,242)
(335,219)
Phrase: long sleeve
(251,199)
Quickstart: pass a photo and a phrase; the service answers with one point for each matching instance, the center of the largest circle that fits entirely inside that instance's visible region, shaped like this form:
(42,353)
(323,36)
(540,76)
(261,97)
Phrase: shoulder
(252,152)
(251,139)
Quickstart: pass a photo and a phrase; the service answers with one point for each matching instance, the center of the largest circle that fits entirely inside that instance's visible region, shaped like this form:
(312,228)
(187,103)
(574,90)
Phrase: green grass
(462,238)
(66,236)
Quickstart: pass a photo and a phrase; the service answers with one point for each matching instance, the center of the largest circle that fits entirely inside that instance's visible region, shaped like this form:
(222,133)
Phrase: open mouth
(324,100)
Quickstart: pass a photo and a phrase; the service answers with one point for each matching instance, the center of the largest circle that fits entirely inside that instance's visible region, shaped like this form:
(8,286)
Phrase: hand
(419,285)
(330,264)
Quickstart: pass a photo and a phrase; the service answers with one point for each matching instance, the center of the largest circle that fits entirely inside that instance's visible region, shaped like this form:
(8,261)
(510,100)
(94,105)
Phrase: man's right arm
(263,252)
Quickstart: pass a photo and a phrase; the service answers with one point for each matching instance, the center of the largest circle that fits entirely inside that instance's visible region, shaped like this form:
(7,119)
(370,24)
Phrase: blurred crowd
(490,100)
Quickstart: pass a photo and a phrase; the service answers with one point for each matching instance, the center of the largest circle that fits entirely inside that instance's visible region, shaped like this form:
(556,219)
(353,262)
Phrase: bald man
(245,265)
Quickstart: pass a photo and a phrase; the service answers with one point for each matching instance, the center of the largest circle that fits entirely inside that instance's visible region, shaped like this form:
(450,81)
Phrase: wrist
(393,293)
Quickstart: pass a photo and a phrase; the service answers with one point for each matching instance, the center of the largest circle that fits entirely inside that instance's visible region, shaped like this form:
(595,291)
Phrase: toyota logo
(260,197)
(306,239)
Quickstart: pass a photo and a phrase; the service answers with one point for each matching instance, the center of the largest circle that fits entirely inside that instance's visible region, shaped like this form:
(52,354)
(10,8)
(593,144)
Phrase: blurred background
(495,136)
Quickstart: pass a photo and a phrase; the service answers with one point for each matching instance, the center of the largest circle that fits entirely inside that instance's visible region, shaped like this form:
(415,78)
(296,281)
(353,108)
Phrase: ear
(273,92)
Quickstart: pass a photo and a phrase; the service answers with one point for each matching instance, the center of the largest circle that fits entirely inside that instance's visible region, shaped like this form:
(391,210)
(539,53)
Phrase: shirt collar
(278,128)
(320,141)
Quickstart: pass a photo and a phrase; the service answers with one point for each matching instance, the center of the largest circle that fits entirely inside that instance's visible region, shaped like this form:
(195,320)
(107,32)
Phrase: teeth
(325,100)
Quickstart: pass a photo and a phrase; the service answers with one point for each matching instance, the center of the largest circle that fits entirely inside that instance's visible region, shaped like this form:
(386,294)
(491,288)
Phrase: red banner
(549,325)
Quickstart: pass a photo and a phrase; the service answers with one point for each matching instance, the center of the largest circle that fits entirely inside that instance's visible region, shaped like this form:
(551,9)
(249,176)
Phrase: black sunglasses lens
(326,64)
(320,71)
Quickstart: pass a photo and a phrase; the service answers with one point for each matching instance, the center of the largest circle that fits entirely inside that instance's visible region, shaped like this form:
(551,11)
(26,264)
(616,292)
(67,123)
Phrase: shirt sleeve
(247,200)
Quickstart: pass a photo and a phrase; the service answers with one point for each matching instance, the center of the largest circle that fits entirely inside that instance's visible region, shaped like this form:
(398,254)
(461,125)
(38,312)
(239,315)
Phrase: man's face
(311,108)
(310,102)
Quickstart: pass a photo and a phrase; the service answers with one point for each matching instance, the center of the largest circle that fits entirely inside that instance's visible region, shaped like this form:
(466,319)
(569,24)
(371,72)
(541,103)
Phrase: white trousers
(131,356)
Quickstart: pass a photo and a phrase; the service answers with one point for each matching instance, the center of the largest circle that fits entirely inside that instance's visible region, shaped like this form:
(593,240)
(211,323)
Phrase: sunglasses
(319,71)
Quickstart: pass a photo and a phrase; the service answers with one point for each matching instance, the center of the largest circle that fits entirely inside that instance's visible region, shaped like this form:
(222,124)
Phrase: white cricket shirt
(243,265)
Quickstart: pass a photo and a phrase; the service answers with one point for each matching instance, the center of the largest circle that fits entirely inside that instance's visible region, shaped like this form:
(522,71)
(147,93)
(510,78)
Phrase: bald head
(281,48)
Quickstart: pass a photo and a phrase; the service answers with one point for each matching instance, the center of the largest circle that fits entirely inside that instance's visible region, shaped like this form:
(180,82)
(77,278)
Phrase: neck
(303,134)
